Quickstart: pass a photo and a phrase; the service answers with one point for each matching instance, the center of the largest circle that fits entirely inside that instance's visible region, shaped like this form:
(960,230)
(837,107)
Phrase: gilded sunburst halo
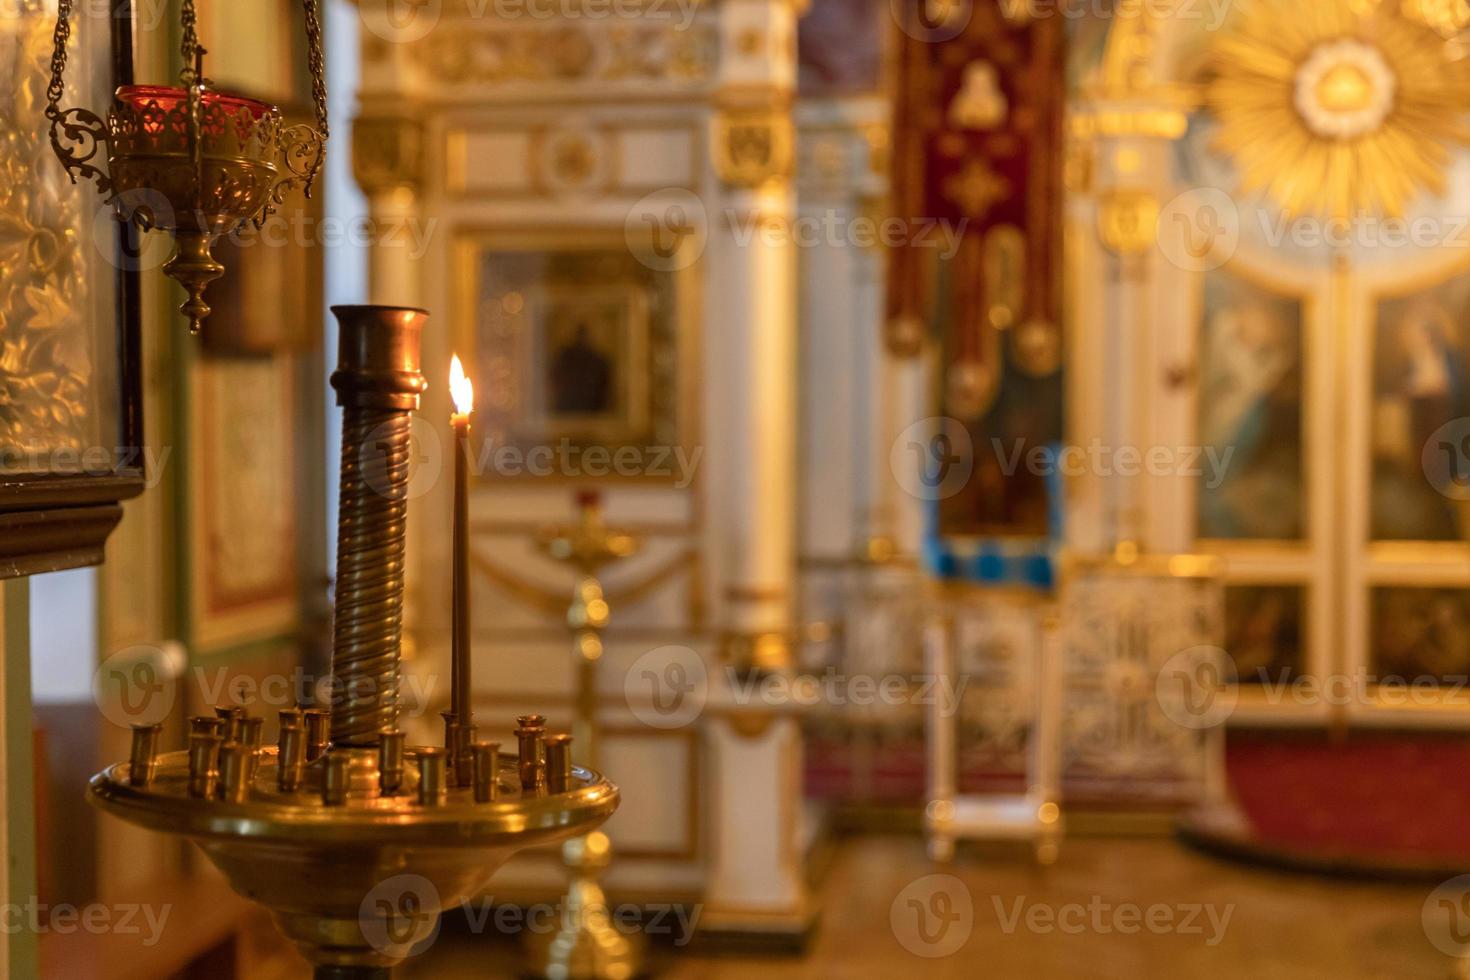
(1338,108)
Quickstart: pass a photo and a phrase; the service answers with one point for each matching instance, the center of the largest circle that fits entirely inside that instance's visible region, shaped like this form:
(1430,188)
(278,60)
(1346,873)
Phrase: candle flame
(461,388)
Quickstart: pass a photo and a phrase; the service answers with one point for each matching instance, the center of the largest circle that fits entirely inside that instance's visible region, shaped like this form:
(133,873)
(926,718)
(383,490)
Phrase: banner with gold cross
(977,147)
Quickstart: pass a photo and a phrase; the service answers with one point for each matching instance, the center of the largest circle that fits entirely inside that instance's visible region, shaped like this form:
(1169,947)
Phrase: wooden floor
(1109,908)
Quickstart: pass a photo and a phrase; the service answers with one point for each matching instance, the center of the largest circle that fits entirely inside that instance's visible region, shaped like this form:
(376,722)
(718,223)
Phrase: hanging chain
(57,88)
(189,51)
(314,63)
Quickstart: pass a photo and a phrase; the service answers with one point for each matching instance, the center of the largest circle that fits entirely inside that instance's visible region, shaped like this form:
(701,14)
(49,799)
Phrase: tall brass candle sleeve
(378,383)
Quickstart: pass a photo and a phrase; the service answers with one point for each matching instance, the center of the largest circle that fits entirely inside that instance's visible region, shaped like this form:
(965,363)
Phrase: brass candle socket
(433,777)
(390,761)
(203,764)
(530,741)
(487,767)
(144,758)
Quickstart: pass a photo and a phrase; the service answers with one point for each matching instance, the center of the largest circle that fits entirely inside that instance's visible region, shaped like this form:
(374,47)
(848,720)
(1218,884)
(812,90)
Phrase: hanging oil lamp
(189,159)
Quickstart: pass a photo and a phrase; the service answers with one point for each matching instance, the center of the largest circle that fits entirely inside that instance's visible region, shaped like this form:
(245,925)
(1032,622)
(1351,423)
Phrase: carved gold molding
(656,52)
(752,146)
(769,650)
(387,153)
(1127,221)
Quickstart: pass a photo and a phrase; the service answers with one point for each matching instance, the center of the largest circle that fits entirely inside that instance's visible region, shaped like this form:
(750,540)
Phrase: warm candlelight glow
(461,388)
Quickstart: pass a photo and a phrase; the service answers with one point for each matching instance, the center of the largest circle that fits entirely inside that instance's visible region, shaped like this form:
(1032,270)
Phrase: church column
(756,882)
(388,164)
(751,421)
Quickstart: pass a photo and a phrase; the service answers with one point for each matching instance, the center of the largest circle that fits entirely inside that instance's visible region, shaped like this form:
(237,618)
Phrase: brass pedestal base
(356,886)
(588,946)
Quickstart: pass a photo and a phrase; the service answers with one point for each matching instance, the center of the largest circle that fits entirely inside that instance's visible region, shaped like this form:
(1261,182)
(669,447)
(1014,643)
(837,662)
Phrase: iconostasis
(1280,191)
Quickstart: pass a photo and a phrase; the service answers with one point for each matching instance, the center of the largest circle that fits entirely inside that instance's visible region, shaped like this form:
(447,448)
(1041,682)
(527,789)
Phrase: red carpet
(1382,803)
(1370,802)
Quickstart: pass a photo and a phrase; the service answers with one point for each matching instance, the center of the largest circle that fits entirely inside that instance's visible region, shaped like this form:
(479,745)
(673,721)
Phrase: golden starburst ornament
(1338,108)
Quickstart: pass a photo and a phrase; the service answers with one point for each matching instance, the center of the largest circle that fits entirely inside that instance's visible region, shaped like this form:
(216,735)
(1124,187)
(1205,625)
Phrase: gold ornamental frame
(470,243)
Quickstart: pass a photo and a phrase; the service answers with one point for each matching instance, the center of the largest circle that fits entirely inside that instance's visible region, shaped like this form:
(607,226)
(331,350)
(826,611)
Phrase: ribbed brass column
(378,383)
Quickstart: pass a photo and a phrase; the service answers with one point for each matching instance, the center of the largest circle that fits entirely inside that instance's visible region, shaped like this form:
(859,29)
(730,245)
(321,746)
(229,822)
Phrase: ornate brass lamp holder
(313,826)
(587,946)
(189,160)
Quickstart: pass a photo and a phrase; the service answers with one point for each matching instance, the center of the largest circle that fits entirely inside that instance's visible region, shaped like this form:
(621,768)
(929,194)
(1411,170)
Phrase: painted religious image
(1419,633)
(580,346)
(1263,632)
(1419,384)
(586,363)
(1250,406)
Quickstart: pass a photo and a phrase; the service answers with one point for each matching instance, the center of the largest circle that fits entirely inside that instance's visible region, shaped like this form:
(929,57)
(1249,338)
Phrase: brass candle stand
(587,946)
(313,826)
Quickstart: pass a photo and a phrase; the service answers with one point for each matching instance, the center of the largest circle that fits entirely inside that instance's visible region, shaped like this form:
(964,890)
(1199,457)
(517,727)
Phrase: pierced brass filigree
(189,160)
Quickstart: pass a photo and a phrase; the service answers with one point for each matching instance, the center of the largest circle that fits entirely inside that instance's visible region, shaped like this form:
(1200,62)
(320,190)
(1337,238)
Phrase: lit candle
(463,393)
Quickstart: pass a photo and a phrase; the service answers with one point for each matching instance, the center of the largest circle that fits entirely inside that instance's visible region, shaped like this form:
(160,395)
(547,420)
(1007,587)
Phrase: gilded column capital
(752,145)
(387,153)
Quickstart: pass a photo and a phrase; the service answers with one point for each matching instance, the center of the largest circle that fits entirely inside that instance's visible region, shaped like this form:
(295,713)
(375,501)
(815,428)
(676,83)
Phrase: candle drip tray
(358,883)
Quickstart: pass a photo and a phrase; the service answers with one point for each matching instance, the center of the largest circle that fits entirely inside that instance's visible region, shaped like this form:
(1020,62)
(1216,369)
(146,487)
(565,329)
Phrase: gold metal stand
(587,946)
(316,826)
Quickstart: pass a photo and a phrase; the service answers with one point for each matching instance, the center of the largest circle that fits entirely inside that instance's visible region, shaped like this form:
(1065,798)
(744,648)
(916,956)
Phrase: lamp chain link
(314,64)
(57,88)
(189,46)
